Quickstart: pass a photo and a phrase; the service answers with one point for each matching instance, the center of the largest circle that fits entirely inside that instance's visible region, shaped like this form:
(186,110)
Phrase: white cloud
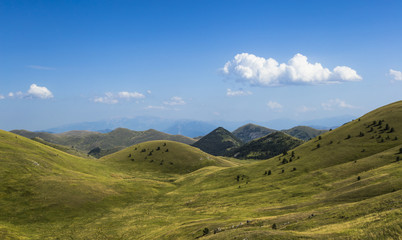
(36,91)
(175,101)
(1,97)
(336,103)
(128,95)
(396,75)
(108,98)
(40,67)
(274,105)
(239,92)
(149,91)
(111,98)
(258,71)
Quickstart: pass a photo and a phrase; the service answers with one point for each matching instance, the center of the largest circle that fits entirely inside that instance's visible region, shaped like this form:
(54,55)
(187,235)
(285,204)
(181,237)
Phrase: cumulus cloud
(239,92)
(1,97)
(258,71)
(274,105)
(396,75)
(128,95)
(174,101)
(34,91)
(336,103)
(111,98)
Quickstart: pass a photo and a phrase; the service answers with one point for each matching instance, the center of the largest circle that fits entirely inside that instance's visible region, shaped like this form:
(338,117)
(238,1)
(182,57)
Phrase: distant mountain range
(192,128)
(100,144)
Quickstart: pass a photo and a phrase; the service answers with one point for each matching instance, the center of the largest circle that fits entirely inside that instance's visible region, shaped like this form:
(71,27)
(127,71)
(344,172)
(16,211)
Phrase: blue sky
(72,61)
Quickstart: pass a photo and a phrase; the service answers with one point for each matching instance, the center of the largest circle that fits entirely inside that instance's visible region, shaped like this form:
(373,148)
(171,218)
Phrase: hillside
(303,132)
(66,149)
(219,142)
(343,184)
(249,132)
(267,147)
(100,144)
(163,156)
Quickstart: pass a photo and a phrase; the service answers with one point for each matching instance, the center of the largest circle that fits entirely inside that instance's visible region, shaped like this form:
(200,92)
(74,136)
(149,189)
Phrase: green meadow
(343,184)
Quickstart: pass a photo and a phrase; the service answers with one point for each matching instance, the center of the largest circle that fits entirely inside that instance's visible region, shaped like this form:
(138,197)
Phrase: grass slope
(303,132)
(267,147)
(103,143)
(250,132)
(219,142)
(69,150)
(344,184)
(163,156)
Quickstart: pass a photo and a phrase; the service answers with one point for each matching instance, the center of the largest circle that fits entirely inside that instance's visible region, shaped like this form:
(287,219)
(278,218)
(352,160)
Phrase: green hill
(100,144)
(163,156)
(343,184)
(303,132)
(250,132)
(69,150)
(267,147)
(219,142)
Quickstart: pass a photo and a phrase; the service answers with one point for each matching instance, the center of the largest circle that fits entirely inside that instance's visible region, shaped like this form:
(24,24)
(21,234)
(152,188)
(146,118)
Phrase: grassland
(343,184)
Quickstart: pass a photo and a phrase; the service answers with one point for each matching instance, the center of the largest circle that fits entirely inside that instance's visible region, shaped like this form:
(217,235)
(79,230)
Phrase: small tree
(319,138)
(358,178)
(205,231)
(274,226)
(294,169)
(269,172)
(283,170)
(397,158)
(318,145)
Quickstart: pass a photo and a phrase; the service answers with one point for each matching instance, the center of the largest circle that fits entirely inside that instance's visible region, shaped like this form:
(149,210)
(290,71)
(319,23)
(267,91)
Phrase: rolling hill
(100,144)
(267,146)
(219,142)
(163,156)
(303,132)
(343,184)
(249,132)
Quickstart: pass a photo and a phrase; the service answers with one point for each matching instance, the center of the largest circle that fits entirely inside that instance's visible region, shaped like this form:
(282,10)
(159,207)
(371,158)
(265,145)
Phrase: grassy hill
(69,150)
(163,156)
(103,143)
(250,132)
(267,147)
(343,184)
(303,132)
(219,142)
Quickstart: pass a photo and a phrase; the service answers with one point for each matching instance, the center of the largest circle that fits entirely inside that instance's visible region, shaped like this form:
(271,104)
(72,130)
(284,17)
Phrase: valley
(341,184)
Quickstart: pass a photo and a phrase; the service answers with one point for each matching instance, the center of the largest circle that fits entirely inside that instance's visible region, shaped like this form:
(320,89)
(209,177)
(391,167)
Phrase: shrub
(158,148)
(294,169)
(348,136)
(397,158)
(269,172)
(318,145)
(205,231)
(167,150)
(319,138)
(283,170)
(358,178)
(274,226)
